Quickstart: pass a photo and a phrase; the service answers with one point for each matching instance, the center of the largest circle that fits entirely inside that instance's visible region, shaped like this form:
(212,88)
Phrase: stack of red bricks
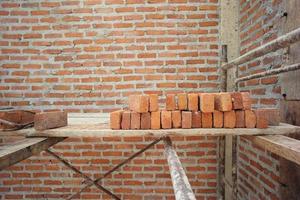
(194,110)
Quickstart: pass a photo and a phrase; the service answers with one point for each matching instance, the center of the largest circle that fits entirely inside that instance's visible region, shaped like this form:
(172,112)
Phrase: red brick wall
(258,169)
(259,24)
(258,172)
(87,56)
(144,178)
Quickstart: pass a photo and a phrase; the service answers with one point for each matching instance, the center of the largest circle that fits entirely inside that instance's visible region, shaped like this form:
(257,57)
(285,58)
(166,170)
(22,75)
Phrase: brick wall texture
(144,178)
(89,55)
(258,169)
(260,22)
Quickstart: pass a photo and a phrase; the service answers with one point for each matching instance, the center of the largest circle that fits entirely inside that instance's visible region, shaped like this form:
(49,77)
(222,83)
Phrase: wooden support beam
(14,153)
(279,43)
(283,69)
(280,145)
(181,185)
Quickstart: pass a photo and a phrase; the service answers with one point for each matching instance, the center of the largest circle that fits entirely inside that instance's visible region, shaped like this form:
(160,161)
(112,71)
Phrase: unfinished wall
(257,169)
(144,178)
(260,22)
(87,56)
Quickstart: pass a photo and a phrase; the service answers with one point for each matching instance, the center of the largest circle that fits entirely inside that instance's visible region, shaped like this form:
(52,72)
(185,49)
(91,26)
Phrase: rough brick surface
(207,120)
(229,119)
(182,101)
(39,173)
(196,119)
(193,102)
(170,102)
(250,119)
(240,119)
(125,124)
(145,120)
(186,118)
(17,116)
(272,115)
(223,102)
(246,101)
(135,120)
(218,119)
(237,100)
(258,170)
(153,102)
(166,119)
(261,118)
(176,119)
(100,51)
(138,103)
(48,120)
(155,120)
(207,102)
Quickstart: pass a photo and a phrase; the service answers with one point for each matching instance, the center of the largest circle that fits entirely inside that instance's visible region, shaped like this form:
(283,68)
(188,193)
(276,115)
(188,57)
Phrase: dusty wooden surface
(100,130)
(286,147)
(16,152)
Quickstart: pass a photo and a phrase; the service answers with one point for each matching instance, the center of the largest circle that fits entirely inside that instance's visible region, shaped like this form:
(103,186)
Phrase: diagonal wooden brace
(82,174)
(117,167)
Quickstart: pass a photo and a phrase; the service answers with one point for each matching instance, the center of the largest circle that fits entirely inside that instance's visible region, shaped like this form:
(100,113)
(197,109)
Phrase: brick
(135,120)
(272,115)
(16,116)
(182,101)
(218,119)
(166,119)
(196,119)
(261,118)
(176,119)
(229,119)
(125,124)
(145,120)
(240,119)
(186,117)
(48,120)
(237,100)
(223,102)
(170,102)
(250,119)
(207,120)
(246,100)
(153,102)
(155,120)
(193,102)
(207,102)
(138,103)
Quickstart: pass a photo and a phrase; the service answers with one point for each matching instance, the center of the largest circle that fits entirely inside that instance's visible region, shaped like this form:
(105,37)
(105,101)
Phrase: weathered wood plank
(14,153)
(100,130)
(281,145)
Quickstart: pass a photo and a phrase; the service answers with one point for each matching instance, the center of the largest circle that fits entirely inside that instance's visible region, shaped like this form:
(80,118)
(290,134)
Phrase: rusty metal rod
(82,174)
(279,43)
(181,185)
(117,166)
(271,72)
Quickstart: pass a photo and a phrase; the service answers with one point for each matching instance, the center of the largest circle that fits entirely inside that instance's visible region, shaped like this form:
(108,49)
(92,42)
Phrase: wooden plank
(100,130)
(228,168)
(290,82)
(14,153)
(283,146)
